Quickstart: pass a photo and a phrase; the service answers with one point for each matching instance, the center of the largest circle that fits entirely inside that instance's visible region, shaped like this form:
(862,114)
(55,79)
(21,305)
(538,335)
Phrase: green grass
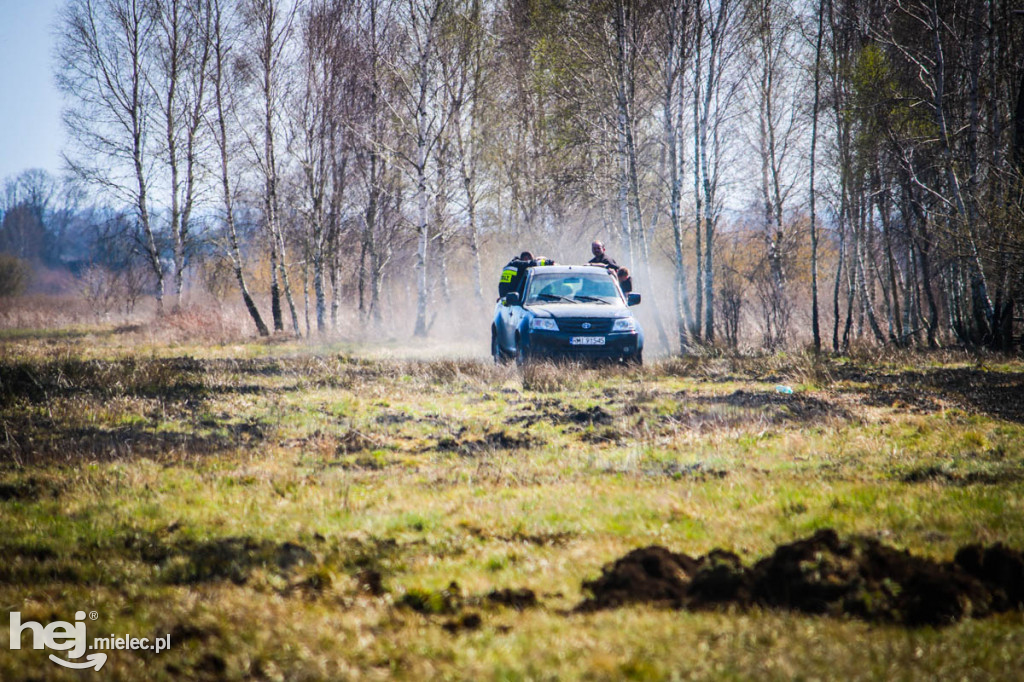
(238,496)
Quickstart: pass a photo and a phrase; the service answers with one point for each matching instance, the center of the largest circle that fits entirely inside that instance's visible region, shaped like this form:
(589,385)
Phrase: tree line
(854,164)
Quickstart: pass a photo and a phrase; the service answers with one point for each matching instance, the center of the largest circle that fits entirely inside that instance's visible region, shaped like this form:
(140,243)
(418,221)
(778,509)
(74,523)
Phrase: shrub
(14,275)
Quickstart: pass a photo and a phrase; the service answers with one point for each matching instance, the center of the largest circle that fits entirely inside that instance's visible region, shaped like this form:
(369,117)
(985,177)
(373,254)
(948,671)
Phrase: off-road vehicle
(567,311)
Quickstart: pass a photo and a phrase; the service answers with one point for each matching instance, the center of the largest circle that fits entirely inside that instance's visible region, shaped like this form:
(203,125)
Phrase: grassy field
(293,513)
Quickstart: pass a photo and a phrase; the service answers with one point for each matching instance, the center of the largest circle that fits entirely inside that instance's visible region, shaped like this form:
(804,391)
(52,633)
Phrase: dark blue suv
(570,311)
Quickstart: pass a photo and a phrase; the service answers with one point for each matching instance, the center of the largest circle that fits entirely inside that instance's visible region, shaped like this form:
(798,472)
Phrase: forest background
(773,173)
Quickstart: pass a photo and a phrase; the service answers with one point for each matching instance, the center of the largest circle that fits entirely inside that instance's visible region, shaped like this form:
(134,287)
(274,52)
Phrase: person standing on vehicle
(512,273)
(601,258)
(625,280)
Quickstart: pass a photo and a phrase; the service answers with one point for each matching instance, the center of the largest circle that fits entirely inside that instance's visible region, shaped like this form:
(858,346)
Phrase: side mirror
(512,298)
(632,299)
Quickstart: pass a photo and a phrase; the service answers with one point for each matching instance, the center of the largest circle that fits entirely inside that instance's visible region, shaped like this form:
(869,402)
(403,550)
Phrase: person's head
(597,248)
(623,274)
(526,255)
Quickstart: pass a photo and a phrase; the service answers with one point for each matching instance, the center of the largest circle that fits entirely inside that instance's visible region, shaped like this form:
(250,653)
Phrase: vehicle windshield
(551,287)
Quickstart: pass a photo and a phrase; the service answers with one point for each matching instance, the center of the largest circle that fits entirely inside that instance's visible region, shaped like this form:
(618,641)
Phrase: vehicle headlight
(624,324)
(545,323)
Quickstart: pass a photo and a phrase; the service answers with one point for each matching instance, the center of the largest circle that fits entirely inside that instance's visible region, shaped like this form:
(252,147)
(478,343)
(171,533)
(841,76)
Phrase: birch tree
(772,54)
(418,99)
(223,43)
(677,49)
(180,58)
(269,26)
(714,96)
(104,47)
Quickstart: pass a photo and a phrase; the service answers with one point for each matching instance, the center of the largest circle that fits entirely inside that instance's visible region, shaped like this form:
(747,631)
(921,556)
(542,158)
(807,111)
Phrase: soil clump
(822,574)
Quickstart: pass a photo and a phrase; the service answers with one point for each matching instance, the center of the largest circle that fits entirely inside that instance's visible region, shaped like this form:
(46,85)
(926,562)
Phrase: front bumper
(557,344)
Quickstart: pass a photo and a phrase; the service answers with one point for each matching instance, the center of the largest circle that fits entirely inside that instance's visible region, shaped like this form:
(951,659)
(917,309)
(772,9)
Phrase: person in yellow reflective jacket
(512,273)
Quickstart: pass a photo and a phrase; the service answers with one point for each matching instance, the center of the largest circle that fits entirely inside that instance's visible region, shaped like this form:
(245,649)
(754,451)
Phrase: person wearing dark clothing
(513,272)
(625,280)
(601,258)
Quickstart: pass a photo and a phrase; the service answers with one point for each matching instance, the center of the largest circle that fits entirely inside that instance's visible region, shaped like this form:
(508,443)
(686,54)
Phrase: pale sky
(31,134)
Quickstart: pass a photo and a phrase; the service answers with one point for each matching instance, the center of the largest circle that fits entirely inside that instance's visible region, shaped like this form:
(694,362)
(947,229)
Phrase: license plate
(587,341)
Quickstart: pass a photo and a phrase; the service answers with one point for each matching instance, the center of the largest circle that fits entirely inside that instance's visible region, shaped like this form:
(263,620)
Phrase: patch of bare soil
(452,602)
(912,401)
(371,582)
(32,488)
(467,621)
(695,471)
(592,415)
(35,439)
(822,574)
(555,412)
(554,539)
(516,598)
(779,407)
(602,435)
(934,473)
(743,408)
(167,378)
(497,439)
(996,393)
(1000,394)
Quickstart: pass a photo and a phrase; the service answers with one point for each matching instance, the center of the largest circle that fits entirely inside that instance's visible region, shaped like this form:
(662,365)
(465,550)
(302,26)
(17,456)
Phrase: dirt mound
(650,574)
(822,574)
(999,568)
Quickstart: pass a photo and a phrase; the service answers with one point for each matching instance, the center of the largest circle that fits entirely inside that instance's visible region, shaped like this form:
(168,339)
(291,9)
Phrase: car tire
(637,359)
(522,357)
(496,352)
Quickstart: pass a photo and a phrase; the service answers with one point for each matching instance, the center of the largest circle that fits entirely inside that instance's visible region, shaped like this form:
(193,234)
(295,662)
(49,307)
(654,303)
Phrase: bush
(14,275)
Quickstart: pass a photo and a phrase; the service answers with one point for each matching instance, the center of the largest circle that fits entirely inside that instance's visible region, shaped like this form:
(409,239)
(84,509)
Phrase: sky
(31,134)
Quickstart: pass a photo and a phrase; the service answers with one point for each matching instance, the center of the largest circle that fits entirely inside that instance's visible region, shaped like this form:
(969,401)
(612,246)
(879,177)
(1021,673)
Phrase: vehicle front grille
(574,325)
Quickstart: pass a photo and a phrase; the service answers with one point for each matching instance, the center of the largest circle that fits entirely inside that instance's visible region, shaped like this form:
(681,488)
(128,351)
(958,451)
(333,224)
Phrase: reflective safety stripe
(507,275)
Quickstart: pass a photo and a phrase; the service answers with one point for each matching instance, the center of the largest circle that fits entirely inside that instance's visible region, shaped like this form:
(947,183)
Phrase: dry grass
(297,513)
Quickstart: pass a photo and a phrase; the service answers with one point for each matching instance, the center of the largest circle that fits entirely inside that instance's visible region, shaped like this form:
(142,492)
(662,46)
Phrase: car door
(505,328)
(516,312)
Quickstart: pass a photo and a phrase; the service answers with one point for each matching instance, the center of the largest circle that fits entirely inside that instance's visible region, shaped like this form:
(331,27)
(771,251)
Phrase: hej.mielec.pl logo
(71,637)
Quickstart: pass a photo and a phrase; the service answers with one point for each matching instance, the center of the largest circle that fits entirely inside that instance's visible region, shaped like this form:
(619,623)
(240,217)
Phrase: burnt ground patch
(35,383)
(516,598)
(462,609)
(552,539)
(178,559)
(32,488)
(995,393)
(998,394)
(913,401)
(179,562)
(745,408)
(469,443)
(592,415)
(189,560)
(392,417)
(233,558)
(36,440)
(778,407)
(935,473)
(676,471)
(821,574)
(556,412)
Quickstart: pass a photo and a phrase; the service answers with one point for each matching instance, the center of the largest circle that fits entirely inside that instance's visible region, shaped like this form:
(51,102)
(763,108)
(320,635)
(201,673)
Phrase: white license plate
(587,341)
